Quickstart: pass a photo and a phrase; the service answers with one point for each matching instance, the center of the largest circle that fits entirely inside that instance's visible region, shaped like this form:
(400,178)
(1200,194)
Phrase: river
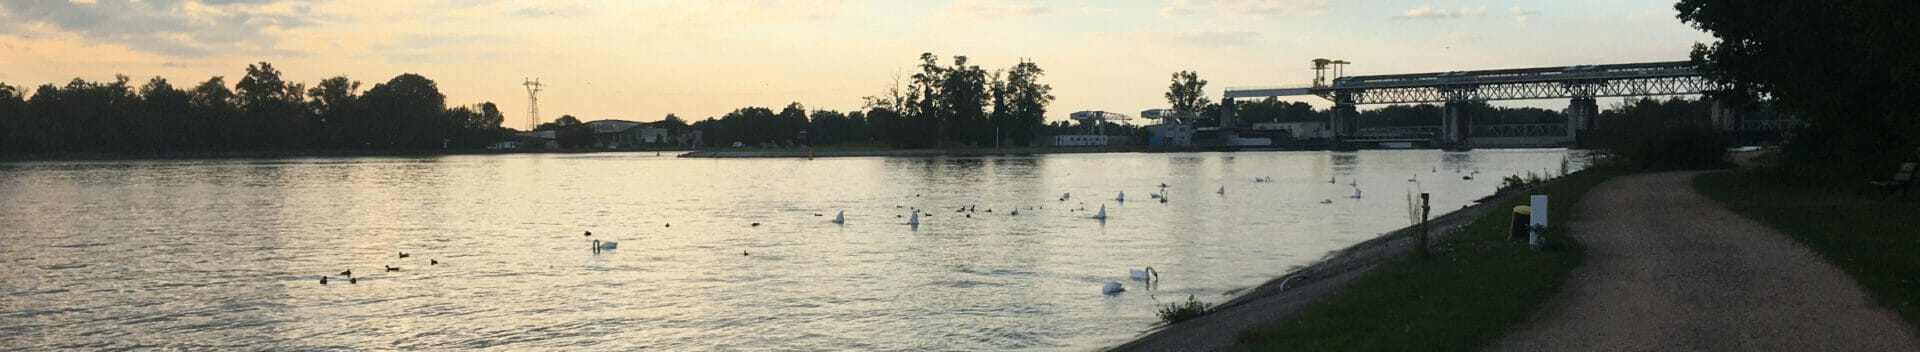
(228,254)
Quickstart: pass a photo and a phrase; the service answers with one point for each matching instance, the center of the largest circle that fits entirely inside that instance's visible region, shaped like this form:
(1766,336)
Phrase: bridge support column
(1455,124)
(1226,114)
(1343,120)
(1730,121)
(1581,113)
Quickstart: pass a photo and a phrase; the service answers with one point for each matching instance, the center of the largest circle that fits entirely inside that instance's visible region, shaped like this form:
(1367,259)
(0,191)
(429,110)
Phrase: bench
(1900,181)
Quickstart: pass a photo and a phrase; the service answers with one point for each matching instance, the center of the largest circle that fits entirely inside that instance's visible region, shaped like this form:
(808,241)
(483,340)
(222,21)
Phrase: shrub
(1174,313)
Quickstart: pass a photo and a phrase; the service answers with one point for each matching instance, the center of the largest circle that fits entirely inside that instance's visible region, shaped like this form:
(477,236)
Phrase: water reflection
(226,254)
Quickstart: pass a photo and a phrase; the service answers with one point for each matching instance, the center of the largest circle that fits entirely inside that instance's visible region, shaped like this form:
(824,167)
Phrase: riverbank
(191,155)
(1314,302)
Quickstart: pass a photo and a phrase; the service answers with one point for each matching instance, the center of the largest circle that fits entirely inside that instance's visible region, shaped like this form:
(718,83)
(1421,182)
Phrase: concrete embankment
(1270,302)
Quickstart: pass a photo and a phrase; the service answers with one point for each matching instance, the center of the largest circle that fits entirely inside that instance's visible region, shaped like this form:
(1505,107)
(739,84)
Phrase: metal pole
(1424,208)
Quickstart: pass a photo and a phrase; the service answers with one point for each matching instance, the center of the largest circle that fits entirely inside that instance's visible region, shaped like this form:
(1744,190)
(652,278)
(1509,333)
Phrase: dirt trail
(1670,270)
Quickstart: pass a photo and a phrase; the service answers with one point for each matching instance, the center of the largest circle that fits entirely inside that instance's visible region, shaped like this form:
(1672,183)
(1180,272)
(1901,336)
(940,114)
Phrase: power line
(533,102)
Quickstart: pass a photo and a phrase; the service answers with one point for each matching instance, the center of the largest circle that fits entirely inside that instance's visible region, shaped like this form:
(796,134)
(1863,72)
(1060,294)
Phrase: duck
(756,224)
(353,280)
(323,279)
(433,262)
(743,253)
(1113,287)
(588,234)
(349,272)
(404,254)
(390,268)
(1015,212)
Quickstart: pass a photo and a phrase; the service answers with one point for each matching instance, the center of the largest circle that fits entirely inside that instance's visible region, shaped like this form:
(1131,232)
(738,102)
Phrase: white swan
(1144,275)
(1113,287)
(915,220)
(1102,215)
(1326,201)
(840,218)
(1223,190)
(1122,197)
(597,244)
(1356,193)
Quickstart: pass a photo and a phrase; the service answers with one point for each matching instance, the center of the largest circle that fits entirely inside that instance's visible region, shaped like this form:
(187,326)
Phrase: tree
(1028,99)
(408,112)
(273,116)
(333,110)
(1188,93)
(171,111)
(965,95)
(215,113)
(1846,67)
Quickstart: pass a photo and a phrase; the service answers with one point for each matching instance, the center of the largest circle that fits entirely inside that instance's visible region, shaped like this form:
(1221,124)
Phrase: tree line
(951,105)
(259,112)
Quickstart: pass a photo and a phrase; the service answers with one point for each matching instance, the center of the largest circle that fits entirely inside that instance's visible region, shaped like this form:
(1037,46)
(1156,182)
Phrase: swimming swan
(840,218)
(1112,287)
(1144,275)
(1103,213)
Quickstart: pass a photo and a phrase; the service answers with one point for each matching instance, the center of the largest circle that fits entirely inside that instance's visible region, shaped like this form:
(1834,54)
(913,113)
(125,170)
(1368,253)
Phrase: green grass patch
(1175,313)
(1875,240)
(1476,287)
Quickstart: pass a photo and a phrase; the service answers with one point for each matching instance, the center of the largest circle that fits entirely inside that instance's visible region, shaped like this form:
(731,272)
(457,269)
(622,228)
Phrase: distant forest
(261,112)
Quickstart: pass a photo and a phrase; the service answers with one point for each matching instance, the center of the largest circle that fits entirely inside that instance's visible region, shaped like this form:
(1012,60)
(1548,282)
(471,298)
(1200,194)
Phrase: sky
(641,60)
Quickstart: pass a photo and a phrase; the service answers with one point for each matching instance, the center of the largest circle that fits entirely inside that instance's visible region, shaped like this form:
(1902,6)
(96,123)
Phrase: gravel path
(1670,270)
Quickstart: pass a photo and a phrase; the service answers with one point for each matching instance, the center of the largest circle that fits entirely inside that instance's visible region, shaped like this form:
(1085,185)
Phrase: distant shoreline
(831,153)
(272,154)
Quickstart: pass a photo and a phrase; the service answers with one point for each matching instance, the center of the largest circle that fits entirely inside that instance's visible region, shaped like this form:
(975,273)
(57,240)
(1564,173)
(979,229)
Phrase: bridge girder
(1624,87)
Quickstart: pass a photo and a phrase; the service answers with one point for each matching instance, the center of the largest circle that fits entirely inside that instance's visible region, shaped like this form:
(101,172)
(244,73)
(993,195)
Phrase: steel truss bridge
(1580,83)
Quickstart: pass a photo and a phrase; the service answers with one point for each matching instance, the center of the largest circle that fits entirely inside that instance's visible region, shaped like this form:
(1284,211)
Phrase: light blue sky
(643,59)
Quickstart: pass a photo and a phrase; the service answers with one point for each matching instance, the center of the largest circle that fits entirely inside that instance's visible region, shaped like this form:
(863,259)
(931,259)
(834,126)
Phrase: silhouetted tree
(1188,93)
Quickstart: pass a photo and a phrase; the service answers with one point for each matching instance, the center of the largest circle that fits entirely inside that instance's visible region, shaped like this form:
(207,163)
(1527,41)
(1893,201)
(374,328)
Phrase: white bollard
(1536,220)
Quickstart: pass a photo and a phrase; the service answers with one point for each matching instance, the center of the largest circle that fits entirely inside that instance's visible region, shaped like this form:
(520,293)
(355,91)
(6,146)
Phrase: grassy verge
(1476,287)
(1873,239)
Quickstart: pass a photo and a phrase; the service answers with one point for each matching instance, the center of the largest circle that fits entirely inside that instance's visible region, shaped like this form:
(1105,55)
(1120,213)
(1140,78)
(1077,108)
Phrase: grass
(1874,240)
(1476,287)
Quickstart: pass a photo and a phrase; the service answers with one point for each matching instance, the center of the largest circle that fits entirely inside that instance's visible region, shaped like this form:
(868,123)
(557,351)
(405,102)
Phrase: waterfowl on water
(389,268)
(1144,275)
(404,254)
(353,280)
(349,272)
(1113,287)
(756,224)
(433,262)
(323,279)
(588,234)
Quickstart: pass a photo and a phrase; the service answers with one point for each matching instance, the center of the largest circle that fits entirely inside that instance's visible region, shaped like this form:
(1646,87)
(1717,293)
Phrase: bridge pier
(1581,113)
(1226,114)
(1344,119)
(1455,124)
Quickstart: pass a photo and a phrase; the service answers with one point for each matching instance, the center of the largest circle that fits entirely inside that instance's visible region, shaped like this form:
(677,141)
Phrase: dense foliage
(1846,67)
(1652,135)
(260,112)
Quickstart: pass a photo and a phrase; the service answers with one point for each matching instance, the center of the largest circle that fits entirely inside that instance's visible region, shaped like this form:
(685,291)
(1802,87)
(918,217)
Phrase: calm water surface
(227,254)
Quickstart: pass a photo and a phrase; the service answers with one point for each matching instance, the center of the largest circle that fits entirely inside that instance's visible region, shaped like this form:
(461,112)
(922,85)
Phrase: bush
(1174,313)
(1652,135)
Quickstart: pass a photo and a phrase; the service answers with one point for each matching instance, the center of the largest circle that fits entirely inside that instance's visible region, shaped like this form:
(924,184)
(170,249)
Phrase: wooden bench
(1901,180)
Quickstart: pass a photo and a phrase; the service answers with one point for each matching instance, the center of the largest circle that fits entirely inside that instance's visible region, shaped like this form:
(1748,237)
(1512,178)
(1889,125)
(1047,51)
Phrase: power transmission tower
(533,103)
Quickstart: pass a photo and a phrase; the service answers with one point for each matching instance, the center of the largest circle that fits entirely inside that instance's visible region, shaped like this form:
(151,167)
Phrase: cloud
(1197,38)
(1429,12)
(175,28)
(173,65)
(995,9)
(1522,16)
(1255,9)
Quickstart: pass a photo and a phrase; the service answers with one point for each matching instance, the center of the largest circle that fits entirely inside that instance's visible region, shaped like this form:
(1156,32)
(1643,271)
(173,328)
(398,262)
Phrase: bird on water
(389,268)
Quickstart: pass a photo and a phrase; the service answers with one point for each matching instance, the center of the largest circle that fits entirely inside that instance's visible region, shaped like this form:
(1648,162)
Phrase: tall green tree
(274,117)
(1187,94)
(1027,100)
(408,111)
(336,116)
(965,96)
(1846,67)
